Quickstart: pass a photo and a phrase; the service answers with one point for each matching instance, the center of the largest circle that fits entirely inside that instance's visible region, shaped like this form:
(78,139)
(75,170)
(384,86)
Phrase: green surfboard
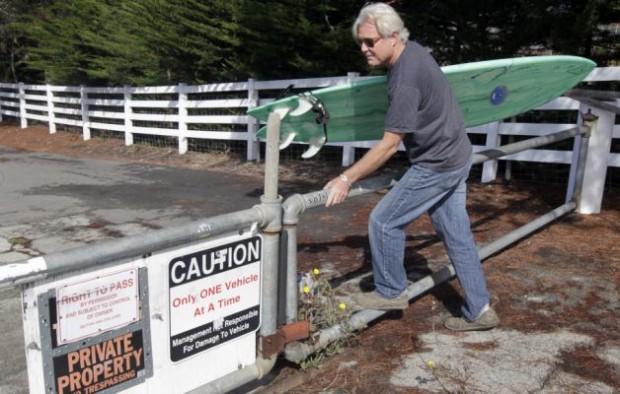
(486,91)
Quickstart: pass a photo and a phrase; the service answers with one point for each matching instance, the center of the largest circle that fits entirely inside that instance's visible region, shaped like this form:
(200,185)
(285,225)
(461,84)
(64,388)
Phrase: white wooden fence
(213,112)
(218,112)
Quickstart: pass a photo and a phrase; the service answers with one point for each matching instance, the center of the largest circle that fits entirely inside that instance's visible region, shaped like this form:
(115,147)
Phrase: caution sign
(214,296)
(100,366)
(96,305)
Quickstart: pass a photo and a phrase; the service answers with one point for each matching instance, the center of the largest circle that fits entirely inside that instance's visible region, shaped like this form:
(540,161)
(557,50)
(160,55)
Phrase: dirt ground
(564,278)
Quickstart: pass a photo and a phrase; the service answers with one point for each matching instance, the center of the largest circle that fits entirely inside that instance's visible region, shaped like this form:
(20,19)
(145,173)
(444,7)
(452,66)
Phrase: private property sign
(92,329)
(100,366)
(214,296)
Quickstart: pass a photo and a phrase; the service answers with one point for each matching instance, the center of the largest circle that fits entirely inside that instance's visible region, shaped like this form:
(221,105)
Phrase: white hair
(385,18)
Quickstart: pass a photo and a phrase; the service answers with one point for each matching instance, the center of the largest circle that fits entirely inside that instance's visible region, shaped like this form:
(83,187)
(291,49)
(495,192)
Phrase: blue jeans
(442,195)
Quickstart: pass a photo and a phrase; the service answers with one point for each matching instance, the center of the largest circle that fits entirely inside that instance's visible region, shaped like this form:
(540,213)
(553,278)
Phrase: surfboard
(486,91)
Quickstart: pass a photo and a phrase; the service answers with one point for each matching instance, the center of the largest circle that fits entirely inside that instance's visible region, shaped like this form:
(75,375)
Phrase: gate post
(595,170)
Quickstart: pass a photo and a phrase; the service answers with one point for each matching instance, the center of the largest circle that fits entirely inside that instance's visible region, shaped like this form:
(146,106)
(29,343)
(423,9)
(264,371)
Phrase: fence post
(127,115)
(182,119)
(574,165)
(85,115)
(22,106)
(595,171)
(253,147)
(348,150)
(489,168)
(50,109)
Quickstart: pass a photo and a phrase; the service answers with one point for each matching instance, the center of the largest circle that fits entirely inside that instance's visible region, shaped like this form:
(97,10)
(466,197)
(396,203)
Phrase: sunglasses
(369,42)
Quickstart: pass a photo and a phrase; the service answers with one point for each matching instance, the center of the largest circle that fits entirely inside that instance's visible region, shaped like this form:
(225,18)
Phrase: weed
(319,307)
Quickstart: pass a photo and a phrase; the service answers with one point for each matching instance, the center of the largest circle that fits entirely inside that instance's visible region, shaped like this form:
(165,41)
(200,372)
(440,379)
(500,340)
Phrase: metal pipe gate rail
(157,353)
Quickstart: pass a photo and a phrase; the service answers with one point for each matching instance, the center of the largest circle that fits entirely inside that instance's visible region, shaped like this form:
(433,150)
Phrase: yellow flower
(306,289)
(316,271)
(342,305)
(430,364)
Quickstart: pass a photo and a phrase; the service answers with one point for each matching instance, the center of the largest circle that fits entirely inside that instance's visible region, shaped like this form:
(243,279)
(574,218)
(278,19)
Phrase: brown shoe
(372,300)
(487,321)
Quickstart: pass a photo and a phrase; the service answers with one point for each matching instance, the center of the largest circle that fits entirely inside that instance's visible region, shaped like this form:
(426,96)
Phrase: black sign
(100,366)
(209,335)
(213,261)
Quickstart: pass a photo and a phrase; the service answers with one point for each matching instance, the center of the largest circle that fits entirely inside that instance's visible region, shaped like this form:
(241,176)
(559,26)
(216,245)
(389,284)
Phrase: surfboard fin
(306,102)
(315,145)
(286,139)
(303,106)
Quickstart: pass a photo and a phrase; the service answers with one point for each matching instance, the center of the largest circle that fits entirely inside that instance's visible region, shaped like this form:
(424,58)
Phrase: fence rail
(217,112)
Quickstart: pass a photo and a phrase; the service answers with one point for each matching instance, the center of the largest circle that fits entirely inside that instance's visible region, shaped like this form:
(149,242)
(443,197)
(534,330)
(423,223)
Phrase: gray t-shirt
(421,105)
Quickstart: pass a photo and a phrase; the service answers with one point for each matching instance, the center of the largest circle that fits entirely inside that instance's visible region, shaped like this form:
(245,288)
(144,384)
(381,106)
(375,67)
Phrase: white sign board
(96,305)
(214,296)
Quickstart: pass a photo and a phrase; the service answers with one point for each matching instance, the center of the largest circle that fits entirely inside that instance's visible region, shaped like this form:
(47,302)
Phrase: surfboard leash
(319,108)
(285,92)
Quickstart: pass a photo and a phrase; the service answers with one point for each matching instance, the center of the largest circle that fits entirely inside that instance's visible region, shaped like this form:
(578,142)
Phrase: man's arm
(369,163)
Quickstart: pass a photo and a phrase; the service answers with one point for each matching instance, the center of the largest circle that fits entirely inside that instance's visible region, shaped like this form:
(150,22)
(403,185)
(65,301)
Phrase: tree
(298,38)
(66,37)
(143,42)
(193,41)
(8,44)
(585,27)
(13,47)
(116,42)
(469,30)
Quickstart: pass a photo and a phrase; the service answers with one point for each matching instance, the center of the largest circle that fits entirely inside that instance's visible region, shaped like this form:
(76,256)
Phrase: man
(424,116)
